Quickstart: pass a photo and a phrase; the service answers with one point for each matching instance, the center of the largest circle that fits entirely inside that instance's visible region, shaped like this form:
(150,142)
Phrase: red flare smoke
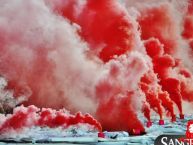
(162,65)
(166,102)
(99,21)
(154,49)
(151,94)
(160,19)
(110,116)
(174,91)
(32,116)
(146,111)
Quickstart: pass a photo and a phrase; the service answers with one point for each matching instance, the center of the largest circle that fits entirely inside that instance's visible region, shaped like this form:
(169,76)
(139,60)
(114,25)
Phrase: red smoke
(161,51)
(121,107)
(95,56)
(188,22)
(160,18)
(32,116)
(147,81)
(162,65)
(99,21)
(146,110)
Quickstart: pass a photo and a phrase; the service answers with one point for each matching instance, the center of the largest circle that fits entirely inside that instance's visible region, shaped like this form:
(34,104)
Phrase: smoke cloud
(112,59)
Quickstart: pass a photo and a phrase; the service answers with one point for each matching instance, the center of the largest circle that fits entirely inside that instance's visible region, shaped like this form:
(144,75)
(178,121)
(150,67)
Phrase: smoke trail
(27,117)
(146,110)
(163,65)
(166,102)
(148,82)
(154,48)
